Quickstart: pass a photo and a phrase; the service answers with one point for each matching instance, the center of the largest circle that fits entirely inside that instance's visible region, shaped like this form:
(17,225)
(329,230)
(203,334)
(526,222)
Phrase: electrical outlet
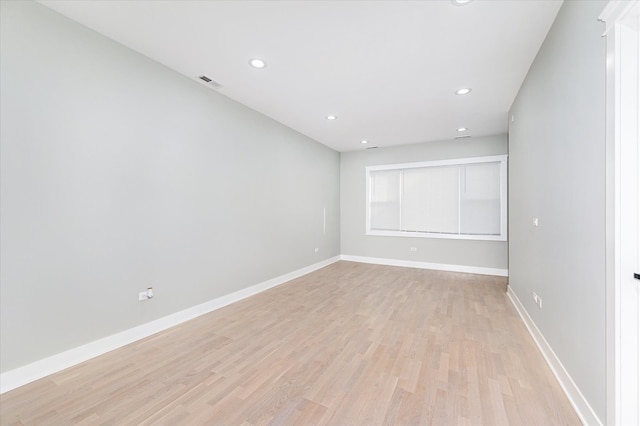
(414,248)
(317,249)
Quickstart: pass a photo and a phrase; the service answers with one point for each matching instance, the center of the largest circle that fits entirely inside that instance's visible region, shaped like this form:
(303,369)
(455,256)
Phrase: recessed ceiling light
(364,142)
(257,63)
(461,2)
(462,129)
(463,91)
(331,117)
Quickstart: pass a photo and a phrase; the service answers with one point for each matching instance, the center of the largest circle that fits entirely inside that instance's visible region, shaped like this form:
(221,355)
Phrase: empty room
(319,212)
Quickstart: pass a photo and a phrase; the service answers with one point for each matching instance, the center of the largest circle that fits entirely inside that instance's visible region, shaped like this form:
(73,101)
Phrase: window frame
(501,159)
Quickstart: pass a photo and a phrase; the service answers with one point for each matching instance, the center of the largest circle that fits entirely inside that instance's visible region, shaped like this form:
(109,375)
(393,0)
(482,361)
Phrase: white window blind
(463,198)
(385,200)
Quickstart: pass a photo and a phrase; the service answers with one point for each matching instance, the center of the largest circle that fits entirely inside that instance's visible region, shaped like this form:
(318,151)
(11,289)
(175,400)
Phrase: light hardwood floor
(348,344)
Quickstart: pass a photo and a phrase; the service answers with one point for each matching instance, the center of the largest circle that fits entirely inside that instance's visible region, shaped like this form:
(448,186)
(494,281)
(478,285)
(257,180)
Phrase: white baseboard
(580,404)
(426,265)
(42,368)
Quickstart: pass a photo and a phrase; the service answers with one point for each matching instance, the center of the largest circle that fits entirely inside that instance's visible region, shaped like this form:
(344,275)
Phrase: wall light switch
(535,221)
(146,295)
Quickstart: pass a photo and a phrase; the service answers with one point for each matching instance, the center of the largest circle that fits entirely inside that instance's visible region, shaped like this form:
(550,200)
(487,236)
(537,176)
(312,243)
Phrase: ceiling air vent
(372,147)
(210,82)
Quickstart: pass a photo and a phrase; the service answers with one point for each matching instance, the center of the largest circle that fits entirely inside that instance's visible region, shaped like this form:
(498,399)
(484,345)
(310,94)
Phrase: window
(462,198)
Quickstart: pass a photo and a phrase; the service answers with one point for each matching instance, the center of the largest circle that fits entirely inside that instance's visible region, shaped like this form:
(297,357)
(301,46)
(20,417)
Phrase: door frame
(621,388)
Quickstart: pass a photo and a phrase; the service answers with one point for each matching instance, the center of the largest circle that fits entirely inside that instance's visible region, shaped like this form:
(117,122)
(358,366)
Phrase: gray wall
(118,174)
(557,173)
(354,242)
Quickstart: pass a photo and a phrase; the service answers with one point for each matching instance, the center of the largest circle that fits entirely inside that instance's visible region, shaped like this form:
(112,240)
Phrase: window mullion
(400,199)
(459,198)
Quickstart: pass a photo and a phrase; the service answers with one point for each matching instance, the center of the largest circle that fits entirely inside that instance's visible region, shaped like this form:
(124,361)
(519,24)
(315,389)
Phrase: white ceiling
(387,69)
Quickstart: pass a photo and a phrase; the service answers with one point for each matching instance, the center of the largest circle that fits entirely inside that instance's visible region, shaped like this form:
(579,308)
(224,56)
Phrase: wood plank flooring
(350,344)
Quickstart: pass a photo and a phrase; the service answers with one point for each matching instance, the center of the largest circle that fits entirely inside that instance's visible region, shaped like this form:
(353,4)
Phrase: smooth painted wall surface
(119,174)
(557,174)
(354,241)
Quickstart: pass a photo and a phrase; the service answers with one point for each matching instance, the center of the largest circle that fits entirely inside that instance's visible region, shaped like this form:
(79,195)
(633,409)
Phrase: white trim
(437,163)
(613,12)
(404,234)
(480,270)
(578,401)
(42,368)
(623,380)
